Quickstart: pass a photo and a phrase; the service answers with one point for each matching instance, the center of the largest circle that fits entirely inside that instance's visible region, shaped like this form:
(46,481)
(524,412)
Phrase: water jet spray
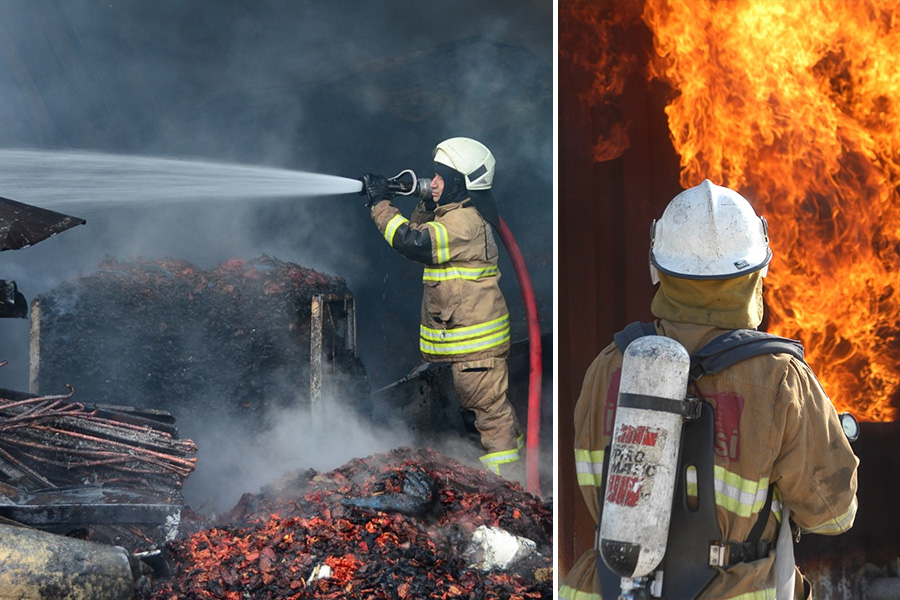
(60,178)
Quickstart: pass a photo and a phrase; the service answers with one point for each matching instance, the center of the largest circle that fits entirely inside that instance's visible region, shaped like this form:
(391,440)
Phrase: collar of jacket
(443,209)
(692,336)
(734,303)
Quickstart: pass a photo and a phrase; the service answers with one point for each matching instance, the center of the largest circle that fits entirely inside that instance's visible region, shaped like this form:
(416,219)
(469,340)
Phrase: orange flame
(591,39)
(795,104)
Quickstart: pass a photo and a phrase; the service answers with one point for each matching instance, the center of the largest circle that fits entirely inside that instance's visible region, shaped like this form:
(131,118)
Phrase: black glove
(376,188)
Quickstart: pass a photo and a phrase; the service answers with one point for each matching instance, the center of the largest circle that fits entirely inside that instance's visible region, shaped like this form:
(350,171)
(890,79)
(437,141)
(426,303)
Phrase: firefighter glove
(376,189)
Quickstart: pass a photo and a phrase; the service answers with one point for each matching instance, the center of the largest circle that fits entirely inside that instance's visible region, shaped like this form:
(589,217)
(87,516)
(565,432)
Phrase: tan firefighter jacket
(464,314)
(774,424)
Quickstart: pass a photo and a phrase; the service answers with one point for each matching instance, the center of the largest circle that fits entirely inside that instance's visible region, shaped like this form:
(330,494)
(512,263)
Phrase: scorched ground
(379,536)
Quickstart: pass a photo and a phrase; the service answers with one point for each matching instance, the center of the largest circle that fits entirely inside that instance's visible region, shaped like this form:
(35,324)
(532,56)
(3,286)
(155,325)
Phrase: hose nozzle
(418,187)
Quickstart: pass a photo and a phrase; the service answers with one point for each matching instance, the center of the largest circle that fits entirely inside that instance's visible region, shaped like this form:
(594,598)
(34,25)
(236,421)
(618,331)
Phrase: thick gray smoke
(337,88)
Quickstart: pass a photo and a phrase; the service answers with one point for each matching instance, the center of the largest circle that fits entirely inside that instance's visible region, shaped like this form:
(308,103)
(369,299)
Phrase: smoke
(338,88)
(231,463)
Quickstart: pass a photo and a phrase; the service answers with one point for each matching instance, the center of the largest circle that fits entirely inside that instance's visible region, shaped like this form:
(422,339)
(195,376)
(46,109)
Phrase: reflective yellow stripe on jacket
(392,226)
(740,496)
(464,340)
(735,494)
(569,593)
(589,467)
(448,273)
(766,594)
(839,524)
(441,242)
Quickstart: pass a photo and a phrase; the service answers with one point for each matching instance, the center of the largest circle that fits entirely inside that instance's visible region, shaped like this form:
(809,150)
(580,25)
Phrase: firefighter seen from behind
(760,439)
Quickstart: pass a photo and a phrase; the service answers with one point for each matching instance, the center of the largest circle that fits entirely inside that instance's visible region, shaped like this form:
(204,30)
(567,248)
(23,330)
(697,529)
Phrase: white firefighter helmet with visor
(709,232)
(469,157)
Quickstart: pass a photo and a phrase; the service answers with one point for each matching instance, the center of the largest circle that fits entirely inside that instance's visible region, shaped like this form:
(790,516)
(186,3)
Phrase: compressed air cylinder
(36,565)
(643,459)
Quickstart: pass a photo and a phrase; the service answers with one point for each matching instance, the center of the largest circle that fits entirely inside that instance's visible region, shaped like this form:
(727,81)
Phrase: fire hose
(535,371)
(421,188)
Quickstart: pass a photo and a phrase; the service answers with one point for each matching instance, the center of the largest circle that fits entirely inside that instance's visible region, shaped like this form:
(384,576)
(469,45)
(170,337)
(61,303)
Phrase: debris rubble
(307,536)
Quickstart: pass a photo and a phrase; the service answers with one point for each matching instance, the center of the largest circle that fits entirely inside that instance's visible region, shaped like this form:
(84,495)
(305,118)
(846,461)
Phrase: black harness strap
(728,349)
(735,346)
(760,525)
(632,332)
(688,409)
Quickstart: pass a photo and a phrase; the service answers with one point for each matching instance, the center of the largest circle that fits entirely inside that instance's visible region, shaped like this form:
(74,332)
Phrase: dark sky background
(338,87)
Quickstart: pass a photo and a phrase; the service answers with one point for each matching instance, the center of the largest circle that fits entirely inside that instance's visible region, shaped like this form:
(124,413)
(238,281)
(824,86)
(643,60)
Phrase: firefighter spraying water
(465,320)
(477,349)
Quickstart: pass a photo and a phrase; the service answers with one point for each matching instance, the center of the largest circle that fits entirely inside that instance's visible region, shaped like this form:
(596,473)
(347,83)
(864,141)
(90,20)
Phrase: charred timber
(53,442)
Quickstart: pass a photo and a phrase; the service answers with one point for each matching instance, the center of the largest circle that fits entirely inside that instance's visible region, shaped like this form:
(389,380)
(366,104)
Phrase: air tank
(644,455)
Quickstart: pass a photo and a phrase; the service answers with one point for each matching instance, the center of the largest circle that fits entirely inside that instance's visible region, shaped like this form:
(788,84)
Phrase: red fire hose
(533,436)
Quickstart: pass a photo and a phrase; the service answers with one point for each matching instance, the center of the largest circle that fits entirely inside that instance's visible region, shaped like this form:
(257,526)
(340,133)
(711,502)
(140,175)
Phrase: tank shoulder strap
(632,332)
(740,344)
(728,349)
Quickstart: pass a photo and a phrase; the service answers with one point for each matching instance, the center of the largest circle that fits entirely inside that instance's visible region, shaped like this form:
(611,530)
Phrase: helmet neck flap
(735,303)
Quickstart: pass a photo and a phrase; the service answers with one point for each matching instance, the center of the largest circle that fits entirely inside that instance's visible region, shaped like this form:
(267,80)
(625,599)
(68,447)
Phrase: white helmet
(469,157)
(709,232)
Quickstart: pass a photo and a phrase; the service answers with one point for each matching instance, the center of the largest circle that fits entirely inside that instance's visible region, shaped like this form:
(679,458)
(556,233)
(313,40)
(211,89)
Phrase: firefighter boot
(513,471)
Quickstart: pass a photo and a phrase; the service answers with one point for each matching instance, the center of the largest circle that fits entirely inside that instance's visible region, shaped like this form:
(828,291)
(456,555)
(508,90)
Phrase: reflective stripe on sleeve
(392,226)
(465,340)
(442,242)
(740,496)
(589,467)
(448,273)
(569,593)
(777,506)
(493,460)
(839,524)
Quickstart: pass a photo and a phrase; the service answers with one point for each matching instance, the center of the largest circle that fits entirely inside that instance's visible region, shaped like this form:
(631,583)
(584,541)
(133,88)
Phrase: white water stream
(65,179)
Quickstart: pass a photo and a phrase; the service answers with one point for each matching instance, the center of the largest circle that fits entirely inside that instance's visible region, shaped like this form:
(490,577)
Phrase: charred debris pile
(168,335)
(395,525)
(51,442)
(110,473)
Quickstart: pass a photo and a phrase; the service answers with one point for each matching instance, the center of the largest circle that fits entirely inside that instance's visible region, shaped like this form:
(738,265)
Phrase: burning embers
(793,104)
(387,526)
